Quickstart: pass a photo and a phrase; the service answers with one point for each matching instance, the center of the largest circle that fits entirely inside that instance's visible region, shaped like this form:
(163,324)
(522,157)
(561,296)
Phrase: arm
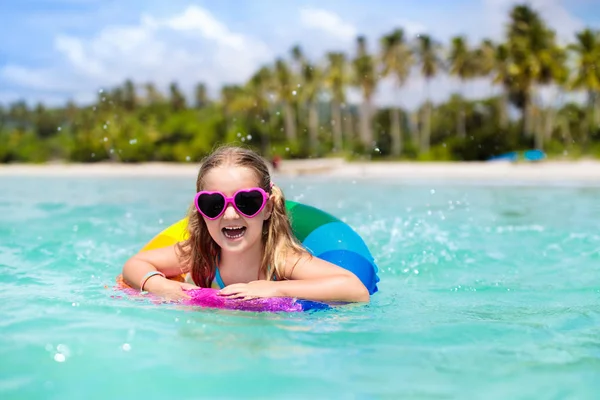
(312,278)
(164,260)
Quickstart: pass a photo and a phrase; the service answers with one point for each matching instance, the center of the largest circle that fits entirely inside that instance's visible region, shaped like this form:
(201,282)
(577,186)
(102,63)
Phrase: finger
(188,286)
(232,289)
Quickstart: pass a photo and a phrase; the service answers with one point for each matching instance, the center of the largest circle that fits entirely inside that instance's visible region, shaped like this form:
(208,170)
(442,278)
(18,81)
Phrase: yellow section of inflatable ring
(169,236)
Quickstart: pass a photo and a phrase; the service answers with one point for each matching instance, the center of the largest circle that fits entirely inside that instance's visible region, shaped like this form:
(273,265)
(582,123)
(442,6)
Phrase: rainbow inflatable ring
(322,234)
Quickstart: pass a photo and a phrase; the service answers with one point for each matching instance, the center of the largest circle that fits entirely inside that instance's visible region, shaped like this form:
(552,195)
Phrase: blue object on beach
(534,155)
(512,156)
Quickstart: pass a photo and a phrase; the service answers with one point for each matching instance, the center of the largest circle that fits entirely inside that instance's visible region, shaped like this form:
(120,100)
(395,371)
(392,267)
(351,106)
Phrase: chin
(239,245)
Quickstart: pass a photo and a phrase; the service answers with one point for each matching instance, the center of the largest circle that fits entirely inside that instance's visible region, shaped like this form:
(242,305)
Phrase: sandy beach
(546,171)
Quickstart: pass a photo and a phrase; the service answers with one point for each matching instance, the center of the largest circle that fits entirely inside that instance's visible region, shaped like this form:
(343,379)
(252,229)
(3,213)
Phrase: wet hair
(200,252)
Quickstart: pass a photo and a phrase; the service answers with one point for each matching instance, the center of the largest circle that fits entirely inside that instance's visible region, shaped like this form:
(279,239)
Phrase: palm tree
(461,66)
(365,77)
(129,96)
(501,75)
(427,51)
(397,60)
(177,98)
(286,92)
(336,78)
(260,90)
(201,96)
(587,73)
(153,96)
(529,43)
(311,76)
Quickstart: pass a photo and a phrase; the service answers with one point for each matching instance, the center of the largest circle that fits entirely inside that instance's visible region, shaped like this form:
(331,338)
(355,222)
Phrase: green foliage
(124,125)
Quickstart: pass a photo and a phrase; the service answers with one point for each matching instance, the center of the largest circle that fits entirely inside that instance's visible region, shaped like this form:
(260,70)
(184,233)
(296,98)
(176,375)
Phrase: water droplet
(59,128)
(105,139)
(126,347)
(63,349)
(239,134)
(104,126)
(249,137)
(188,158)
(432,191)
(93,155)
(133,141)
(101,90)
(293,92)
(160,221)
(287,149)
(59,357)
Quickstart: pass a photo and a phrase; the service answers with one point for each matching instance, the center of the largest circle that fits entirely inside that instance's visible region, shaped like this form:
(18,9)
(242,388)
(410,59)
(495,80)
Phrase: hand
(252,290)
(168,289)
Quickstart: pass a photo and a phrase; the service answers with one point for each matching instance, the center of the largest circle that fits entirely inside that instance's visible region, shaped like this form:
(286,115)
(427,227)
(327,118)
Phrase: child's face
(228,180)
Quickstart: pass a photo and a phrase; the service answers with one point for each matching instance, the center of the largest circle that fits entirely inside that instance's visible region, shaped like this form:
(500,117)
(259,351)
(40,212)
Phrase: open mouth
(234,232)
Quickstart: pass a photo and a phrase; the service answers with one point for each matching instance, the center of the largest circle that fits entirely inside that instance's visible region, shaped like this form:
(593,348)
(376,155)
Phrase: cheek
(212,226)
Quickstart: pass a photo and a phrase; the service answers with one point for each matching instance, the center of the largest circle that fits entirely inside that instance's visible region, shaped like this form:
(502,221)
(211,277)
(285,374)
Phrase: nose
(230,212)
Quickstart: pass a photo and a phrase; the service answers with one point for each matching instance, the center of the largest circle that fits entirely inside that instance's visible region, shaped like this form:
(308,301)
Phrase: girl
(241,241)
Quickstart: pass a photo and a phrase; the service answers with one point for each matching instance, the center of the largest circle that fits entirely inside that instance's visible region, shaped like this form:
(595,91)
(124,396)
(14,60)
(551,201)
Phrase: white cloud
(328,22)
(188,48)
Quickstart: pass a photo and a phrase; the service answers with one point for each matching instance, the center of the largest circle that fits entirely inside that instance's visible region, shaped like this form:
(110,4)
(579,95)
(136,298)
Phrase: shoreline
(585,170)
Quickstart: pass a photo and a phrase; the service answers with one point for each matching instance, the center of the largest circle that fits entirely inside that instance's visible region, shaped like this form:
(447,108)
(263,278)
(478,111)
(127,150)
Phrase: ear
(268,209)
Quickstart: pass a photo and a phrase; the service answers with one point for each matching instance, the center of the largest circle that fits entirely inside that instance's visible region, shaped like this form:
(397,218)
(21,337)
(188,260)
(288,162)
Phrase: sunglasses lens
(249,202)
(211,204)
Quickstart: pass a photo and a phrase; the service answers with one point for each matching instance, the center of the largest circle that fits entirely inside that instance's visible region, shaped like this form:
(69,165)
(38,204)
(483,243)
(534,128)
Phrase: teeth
(232,228)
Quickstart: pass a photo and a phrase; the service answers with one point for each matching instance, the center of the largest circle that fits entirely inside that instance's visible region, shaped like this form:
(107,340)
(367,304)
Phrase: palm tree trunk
(565,133)
(336,122)
(349,127)
(415,130)
(540,115)
(426,131)
(290,123)
(396,132)
(503,109)
(528,114)
(549,125)
(366,133)
(595,108)
(460,121)
(313,127)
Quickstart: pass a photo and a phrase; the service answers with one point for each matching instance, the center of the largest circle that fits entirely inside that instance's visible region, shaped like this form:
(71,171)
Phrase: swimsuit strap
(218,278)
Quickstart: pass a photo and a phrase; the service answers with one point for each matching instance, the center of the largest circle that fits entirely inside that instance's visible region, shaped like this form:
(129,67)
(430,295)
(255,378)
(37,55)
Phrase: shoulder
(295,259)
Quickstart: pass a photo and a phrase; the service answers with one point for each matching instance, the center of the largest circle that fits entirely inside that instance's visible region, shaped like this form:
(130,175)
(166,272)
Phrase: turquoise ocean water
(487,291)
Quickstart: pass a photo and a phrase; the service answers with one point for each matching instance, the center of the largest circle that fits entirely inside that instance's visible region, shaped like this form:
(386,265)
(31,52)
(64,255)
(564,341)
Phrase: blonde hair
(200,251)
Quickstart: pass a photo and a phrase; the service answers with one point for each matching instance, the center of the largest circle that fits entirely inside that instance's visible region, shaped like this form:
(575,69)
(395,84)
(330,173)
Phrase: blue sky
(56,50)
